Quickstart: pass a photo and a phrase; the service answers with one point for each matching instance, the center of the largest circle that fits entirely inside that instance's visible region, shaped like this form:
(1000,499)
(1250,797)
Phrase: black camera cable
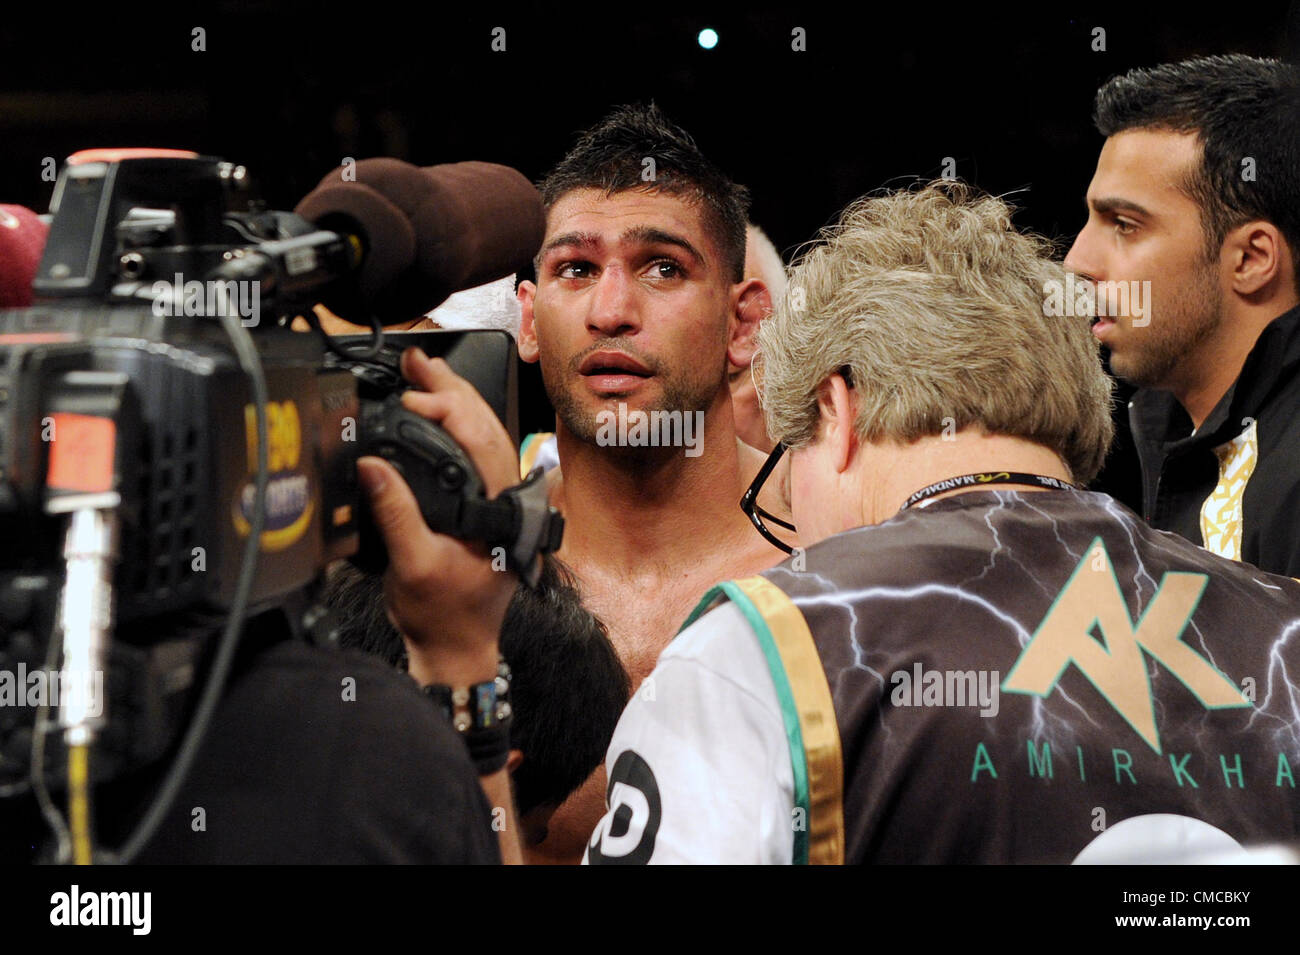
(251,363)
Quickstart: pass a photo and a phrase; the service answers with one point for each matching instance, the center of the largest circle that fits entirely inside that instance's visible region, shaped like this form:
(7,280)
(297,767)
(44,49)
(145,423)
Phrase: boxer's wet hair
(1240,107)
(568,688)
(612,156)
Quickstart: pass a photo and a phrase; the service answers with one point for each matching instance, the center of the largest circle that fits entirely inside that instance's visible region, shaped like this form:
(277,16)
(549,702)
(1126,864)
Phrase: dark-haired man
(640,303)
(1192,238)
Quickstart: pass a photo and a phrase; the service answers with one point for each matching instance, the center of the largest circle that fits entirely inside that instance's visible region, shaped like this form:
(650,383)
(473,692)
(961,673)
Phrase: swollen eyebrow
(652,236)
(581,240)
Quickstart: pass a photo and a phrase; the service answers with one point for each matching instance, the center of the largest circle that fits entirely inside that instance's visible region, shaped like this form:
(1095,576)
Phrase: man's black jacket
(1180,470)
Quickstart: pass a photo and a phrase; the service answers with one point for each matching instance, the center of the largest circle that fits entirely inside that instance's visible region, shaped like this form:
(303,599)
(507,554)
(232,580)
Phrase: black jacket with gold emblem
(1233,486)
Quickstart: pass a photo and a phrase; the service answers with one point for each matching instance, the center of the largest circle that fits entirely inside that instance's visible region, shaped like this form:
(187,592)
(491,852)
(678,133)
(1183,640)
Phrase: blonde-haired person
(973,653)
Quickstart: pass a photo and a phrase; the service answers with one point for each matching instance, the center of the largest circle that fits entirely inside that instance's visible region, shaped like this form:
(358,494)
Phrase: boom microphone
(428,232)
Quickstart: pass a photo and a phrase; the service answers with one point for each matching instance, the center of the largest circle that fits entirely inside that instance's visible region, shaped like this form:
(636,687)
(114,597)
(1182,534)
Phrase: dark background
(878,98)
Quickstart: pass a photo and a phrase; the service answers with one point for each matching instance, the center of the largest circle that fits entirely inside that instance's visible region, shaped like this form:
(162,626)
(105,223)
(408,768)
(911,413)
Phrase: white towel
(488,306)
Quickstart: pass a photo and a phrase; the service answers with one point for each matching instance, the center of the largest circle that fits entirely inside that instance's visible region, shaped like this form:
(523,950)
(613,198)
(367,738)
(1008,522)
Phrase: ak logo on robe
(1092,601)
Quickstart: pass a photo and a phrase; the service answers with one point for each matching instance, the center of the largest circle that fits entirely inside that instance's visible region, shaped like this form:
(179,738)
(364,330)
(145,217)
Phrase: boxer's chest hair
(644,613)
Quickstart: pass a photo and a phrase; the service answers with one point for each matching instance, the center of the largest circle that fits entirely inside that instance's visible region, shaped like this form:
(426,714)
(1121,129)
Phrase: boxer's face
(1143,238)
(632,305)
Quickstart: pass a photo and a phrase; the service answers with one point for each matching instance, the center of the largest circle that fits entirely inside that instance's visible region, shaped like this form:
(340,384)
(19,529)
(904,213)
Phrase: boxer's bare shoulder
(643,607)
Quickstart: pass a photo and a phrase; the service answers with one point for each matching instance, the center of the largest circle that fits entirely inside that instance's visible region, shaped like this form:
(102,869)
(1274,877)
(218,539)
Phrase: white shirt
(699,766)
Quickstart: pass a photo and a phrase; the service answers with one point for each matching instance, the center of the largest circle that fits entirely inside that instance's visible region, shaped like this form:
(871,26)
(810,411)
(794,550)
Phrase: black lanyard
(985,479)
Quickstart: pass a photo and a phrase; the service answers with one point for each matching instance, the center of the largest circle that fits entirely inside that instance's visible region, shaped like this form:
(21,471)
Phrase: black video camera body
(121,391)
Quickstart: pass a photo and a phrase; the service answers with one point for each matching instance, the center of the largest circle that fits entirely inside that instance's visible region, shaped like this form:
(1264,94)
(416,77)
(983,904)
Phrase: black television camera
(175,460)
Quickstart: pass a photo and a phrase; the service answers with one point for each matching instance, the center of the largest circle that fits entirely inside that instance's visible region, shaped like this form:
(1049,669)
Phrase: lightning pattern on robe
(1013,672)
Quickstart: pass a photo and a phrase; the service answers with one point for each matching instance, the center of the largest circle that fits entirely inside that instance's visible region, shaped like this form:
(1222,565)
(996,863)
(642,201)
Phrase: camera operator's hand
(442,593)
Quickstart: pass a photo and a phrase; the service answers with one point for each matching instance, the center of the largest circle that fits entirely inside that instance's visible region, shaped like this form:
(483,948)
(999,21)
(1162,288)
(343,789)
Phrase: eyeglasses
(756,515)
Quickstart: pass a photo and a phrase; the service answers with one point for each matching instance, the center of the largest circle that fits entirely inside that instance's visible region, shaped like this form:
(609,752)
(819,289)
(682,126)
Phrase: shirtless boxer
(640,301)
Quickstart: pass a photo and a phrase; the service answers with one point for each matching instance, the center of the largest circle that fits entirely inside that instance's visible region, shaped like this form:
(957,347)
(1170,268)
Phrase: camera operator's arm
(442,594)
